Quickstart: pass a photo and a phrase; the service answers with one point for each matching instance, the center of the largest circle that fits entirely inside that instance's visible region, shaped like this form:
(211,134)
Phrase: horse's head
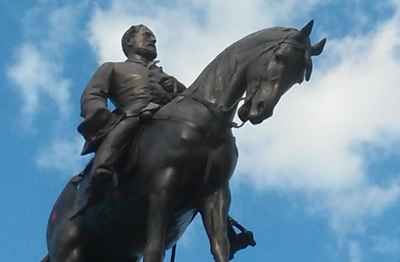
(275,71)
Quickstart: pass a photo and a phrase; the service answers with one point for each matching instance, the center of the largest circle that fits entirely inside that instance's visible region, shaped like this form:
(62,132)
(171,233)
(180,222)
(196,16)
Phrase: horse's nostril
(260,106)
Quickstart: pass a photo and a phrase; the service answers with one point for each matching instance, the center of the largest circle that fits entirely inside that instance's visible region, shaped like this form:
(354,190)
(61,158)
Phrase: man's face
(144,43)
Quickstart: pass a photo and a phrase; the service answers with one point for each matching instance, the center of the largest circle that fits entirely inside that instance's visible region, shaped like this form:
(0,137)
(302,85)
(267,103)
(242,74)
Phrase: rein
(214,108)
(213,134)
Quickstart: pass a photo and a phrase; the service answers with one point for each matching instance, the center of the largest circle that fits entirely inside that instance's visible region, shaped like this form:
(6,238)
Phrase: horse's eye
(280,57)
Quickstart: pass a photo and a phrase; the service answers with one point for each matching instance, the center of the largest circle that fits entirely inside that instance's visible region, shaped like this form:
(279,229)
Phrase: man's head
(139,40)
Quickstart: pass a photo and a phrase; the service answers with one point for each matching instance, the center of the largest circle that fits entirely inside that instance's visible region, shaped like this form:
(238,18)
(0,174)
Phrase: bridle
(251,93)
(216,110)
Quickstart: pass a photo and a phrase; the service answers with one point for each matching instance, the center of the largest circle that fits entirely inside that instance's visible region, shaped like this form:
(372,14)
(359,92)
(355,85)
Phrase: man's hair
(126,38)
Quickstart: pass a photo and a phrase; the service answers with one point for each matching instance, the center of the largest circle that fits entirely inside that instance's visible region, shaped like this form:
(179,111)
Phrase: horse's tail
(46,259)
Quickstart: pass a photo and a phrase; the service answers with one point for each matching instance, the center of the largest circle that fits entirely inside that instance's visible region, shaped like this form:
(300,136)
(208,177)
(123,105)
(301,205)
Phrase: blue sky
(319,181)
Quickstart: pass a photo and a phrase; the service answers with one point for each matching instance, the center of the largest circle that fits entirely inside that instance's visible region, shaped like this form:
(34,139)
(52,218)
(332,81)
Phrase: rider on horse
(135,86)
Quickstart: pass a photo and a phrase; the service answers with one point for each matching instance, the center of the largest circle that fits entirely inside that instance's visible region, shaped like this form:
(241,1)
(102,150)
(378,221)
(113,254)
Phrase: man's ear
(129,41)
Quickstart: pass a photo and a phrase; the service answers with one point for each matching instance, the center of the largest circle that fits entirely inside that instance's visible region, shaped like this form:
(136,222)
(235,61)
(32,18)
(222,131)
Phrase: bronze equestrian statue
(181,158)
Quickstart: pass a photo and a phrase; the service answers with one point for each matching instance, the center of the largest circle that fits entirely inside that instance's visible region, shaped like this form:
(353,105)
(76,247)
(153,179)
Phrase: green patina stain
(106,214)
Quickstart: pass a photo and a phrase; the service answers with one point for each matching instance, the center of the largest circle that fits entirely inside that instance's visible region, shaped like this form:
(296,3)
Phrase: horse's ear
(309,67)
(306,30)
(318,48)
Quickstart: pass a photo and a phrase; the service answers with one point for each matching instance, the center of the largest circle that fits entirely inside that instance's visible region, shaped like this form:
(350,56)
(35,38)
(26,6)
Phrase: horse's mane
(268,36)
(229,59)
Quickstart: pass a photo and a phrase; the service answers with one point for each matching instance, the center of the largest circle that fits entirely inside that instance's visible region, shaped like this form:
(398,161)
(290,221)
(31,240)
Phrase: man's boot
(104,180)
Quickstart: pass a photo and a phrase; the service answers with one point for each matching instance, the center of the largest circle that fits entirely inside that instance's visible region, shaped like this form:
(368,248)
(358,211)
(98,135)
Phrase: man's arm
(97,90)
(171,84)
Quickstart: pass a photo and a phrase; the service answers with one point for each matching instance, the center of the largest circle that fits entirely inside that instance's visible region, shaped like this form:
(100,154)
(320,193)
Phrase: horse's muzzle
(260,113)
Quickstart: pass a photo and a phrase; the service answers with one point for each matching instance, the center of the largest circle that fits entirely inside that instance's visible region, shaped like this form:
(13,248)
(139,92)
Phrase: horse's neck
(212,97)
(222,83)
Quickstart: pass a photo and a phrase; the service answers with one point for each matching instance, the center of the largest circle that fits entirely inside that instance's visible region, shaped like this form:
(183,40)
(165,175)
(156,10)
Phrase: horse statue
(184,157)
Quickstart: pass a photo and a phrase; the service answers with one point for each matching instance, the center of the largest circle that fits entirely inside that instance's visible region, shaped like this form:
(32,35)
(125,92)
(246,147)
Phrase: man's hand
(170,84)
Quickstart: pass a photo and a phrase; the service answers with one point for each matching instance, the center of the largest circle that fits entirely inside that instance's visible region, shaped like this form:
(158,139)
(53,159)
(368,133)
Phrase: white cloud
(61,155)
(355,252)
(38,79)
(323,123)
(37,67)
(350,209)
(385,245)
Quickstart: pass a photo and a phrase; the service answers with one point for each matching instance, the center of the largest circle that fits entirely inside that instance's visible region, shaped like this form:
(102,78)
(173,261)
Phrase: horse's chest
(206,168)
(186,160)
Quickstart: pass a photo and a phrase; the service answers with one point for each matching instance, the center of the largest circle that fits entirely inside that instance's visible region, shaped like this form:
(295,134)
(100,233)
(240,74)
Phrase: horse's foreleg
(214,212)
(159,211)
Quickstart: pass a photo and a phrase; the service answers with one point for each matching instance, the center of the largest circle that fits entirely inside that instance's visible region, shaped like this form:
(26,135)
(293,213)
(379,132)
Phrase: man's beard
(149,54)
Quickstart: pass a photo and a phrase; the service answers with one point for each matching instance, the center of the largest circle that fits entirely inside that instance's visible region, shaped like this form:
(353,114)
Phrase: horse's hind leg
(68,246)
(64,238)
(160,204)
(214,212)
